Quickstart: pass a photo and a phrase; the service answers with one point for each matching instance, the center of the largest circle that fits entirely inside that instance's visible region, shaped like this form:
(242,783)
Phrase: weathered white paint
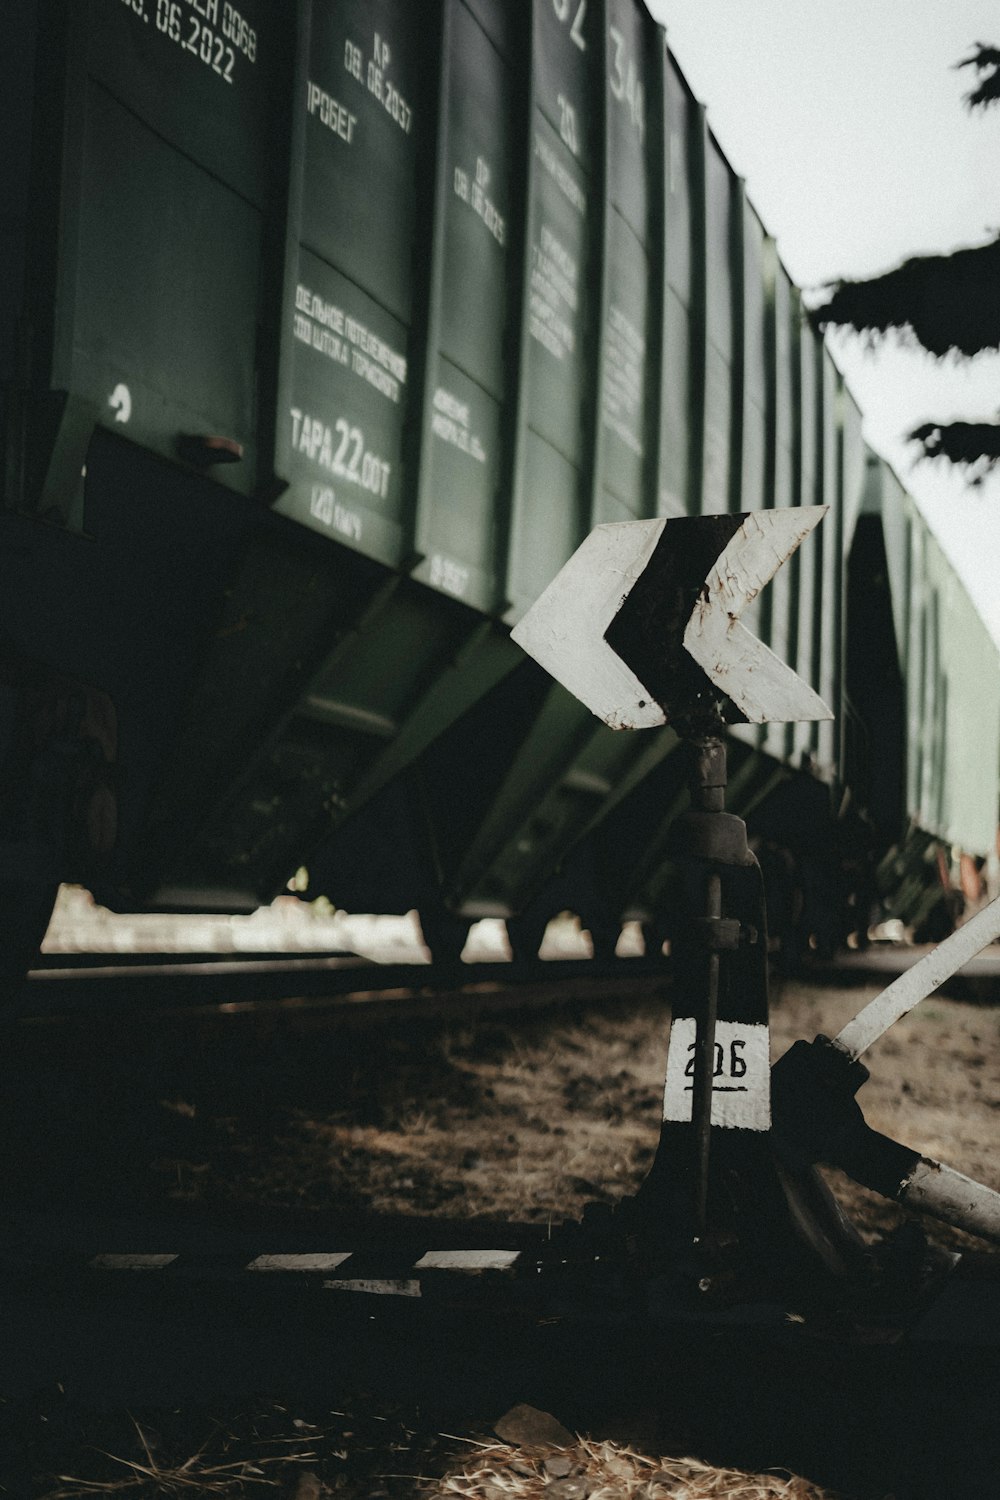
(323,1262)
(467,1260)
(131,1262)
(741,1087)
(922,980)
(120,402)
(764,688)
(946,1194)
(564,629)
(398,1287)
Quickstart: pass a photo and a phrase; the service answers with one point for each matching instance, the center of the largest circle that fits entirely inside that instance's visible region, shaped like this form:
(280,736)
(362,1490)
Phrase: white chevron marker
(762,686)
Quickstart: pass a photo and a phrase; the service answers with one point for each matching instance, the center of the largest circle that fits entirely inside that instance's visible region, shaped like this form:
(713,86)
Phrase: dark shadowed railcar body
(328,331)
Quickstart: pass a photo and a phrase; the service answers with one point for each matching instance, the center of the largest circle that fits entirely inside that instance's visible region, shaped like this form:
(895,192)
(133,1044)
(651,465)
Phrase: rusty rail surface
(341,988)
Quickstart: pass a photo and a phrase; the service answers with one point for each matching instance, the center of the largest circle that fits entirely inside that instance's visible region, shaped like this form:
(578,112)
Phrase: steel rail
(341,989)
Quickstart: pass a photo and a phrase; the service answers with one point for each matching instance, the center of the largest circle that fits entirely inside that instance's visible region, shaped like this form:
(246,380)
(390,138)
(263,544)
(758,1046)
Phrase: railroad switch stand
(733,1205)
(643,625)
(719,1211)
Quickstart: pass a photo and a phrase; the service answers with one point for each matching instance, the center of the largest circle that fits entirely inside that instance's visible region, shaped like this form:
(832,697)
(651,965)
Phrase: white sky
(846,118)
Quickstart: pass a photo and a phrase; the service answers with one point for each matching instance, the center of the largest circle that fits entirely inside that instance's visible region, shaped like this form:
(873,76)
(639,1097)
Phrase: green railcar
(328,330)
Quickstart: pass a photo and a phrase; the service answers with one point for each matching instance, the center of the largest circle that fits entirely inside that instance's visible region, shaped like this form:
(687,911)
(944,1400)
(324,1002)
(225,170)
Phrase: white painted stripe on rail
(131,1262)
(328,1262)
(389,1288)
(467,1260)
(917,983)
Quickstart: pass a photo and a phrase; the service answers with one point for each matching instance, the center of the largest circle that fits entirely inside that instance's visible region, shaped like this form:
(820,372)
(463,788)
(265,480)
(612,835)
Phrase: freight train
(328,329)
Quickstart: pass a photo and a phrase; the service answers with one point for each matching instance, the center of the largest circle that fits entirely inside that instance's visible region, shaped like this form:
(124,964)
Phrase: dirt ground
(525,1118)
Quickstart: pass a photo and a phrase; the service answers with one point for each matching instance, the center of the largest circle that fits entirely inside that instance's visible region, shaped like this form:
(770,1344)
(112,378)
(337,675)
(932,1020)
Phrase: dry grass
(191,1478)
(201,1473)
(609,1471)
(588,1470)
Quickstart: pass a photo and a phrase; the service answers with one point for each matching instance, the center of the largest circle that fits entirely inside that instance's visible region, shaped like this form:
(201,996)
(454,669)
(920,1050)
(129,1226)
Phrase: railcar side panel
(464,459)
(147,321)
(331,329)
(754,382)
(631,286)
(852,465)
(345,385)
(952,688)
(782,438)
(722,210)
(680,421)
(827,647)
(807,356)
(557,329)
(752,390)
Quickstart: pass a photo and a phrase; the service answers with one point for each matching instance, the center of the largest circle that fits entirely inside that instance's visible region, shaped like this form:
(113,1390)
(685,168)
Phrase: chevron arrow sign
(643,623)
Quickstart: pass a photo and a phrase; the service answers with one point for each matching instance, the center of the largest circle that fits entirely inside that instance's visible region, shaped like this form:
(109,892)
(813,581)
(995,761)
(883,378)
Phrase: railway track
(174,1304)
(342,988)
(339,988)
(473,1319)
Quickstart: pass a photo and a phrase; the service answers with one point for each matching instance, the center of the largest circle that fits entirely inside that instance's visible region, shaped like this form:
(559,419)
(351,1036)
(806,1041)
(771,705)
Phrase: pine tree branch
(951,302)
(974,444)
(986,61)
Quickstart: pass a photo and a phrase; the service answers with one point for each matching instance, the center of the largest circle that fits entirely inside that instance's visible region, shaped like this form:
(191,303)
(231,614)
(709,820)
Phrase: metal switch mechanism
(817,1118)
(643,625)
